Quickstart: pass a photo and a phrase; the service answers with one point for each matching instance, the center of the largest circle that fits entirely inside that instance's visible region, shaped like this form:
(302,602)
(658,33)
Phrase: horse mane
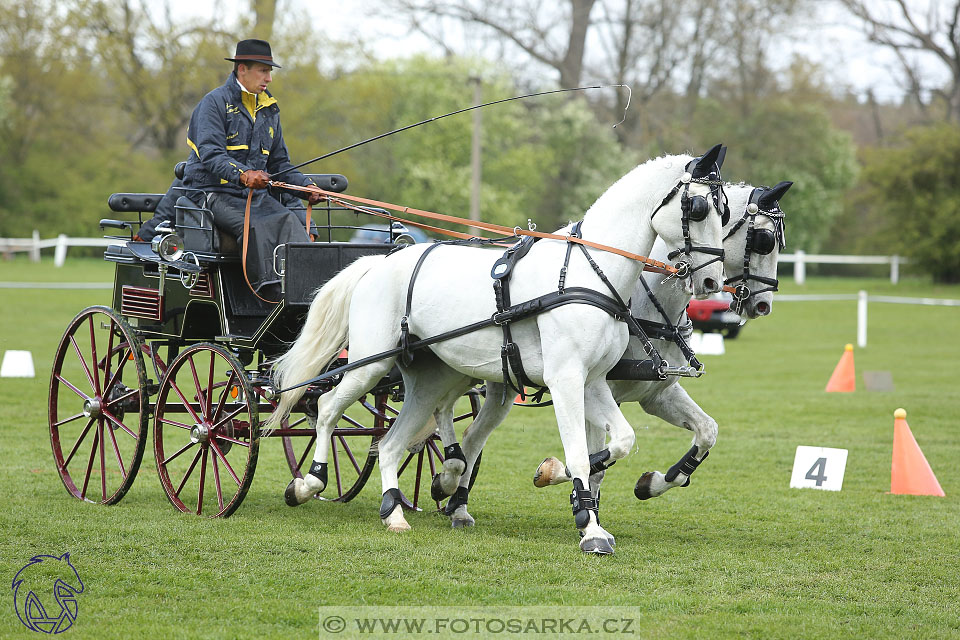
(663,171)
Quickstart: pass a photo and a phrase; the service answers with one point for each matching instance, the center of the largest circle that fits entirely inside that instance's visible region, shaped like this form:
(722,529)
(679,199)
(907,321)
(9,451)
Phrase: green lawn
(736,554)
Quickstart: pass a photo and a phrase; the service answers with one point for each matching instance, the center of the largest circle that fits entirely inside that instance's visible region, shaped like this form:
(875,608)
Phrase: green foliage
(779,139)
(914,191)
(546,159)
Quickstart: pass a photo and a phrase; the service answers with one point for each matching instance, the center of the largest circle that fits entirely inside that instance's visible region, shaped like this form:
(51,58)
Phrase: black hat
(253,51)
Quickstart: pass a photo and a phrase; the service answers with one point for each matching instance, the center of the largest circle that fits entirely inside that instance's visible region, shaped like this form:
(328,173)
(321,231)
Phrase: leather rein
(350,202)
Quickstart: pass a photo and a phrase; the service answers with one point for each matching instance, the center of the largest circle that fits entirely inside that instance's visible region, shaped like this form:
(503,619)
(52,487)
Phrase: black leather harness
(507,313)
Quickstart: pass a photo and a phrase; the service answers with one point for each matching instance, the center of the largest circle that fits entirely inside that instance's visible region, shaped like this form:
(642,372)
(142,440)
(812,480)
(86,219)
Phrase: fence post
(799,267)
(60,252)
(894,269)
(862,319)
(35,249)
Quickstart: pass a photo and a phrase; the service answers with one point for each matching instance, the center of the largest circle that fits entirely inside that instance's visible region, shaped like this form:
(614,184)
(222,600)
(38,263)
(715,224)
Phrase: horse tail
(324,335)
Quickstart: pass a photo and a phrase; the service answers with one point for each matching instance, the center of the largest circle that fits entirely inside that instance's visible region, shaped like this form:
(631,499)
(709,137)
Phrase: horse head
(691,220)
(753,241)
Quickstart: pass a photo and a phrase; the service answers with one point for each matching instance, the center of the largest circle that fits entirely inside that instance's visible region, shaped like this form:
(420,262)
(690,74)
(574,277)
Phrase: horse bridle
(696,208)
(760,241)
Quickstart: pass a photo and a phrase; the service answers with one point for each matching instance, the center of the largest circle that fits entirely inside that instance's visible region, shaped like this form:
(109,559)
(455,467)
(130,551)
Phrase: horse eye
(763,241)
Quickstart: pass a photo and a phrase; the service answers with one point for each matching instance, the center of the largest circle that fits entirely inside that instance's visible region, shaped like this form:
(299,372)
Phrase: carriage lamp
(169,246)
(400,234)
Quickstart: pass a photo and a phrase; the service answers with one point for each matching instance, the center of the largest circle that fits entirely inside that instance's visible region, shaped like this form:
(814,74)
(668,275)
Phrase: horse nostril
(763,308)
(710,285)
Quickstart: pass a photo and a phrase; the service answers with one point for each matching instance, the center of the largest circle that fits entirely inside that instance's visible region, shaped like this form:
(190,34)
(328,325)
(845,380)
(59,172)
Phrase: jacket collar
(233,86)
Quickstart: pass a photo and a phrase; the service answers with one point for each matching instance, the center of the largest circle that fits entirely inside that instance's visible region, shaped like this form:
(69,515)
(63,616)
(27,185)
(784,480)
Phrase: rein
(349,201)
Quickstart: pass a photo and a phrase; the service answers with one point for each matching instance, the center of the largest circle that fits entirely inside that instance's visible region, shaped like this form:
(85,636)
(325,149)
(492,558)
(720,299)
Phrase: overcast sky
(831,40)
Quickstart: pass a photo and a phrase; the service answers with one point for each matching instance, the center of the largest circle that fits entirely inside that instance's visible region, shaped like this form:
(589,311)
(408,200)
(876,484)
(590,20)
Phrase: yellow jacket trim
(235,147)
(193,146)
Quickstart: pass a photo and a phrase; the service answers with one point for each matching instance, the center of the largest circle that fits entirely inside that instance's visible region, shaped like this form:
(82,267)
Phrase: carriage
(186,346)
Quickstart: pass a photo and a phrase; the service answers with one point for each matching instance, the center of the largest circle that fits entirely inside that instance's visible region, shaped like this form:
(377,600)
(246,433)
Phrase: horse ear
(706,162)
(773,195)
(722,156)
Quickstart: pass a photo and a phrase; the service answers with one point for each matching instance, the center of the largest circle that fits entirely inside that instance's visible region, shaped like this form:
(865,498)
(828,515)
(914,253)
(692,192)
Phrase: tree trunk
(571,66)
(264,10)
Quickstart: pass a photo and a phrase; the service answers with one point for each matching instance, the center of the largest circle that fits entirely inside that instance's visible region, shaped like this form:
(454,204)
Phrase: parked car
(377,233)
(714,315)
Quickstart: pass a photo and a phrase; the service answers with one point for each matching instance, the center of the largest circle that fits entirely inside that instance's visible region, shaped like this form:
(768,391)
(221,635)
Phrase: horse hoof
(462,522)
(436,489)
(642,490)
(290,494)
(597,546)
(551,471)
(399,528)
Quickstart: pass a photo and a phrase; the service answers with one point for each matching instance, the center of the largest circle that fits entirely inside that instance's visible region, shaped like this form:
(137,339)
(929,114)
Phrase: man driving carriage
(236,142)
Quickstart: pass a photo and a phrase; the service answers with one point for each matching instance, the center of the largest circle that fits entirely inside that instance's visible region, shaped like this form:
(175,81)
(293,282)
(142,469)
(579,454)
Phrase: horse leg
(603,412)
(674,405)
(330,408)
(552,472)
(567,389)
(425,387)
(492,413)
(444,484)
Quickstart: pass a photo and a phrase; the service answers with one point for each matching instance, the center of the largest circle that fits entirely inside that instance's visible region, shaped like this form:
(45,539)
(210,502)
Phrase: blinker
(764,241)
(696,208)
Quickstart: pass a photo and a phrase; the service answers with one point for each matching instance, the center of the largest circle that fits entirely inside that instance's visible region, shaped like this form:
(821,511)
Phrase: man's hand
(314,197)
(254,179)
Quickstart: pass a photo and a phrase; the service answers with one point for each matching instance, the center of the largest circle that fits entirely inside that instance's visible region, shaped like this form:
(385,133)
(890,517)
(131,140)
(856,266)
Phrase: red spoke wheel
(206,435)
(97,408)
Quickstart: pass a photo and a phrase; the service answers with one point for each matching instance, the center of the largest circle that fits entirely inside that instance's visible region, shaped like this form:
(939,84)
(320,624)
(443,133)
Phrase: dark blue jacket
(225,141)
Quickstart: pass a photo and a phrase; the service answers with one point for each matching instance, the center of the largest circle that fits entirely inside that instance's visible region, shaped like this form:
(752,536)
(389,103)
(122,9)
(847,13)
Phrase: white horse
(568,349)
(752,243)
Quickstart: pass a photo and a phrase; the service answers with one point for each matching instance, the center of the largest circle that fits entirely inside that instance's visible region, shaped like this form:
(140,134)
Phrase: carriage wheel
(97,404)
(353,454)
(207,433)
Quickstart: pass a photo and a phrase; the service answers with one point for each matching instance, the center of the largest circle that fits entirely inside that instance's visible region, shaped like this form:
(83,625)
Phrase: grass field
(736,554)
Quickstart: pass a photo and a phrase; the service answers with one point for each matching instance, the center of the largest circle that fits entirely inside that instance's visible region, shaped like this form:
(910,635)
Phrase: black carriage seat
(134,202)
(196,228)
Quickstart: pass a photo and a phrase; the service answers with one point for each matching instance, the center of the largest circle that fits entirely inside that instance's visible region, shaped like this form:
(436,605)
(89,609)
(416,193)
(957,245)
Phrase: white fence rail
(800,260)
(862,299)
(59,245)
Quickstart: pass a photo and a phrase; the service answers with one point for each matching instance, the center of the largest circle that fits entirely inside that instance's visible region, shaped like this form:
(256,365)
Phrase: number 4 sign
(818,468)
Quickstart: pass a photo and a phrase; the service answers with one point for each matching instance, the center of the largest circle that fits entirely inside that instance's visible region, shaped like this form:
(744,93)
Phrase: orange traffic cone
(844,378)
(518,399)
(910,473)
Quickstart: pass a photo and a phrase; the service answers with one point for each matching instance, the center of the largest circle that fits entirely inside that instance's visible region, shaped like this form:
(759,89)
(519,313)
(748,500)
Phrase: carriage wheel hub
(200,433)
(92,408)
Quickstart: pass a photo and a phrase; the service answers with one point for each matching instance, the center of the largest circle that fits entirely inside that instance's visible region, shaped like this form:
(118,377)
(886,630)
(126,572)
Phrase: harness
(693,208)
(760,241)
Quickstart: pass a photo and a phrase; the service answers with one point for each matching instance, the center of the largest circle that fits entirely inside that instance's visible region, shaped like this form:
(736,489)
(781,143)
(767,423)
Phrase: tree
(917,36)
(781,139)
(914,191)
(657,47)
(525,144)
(161,64)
